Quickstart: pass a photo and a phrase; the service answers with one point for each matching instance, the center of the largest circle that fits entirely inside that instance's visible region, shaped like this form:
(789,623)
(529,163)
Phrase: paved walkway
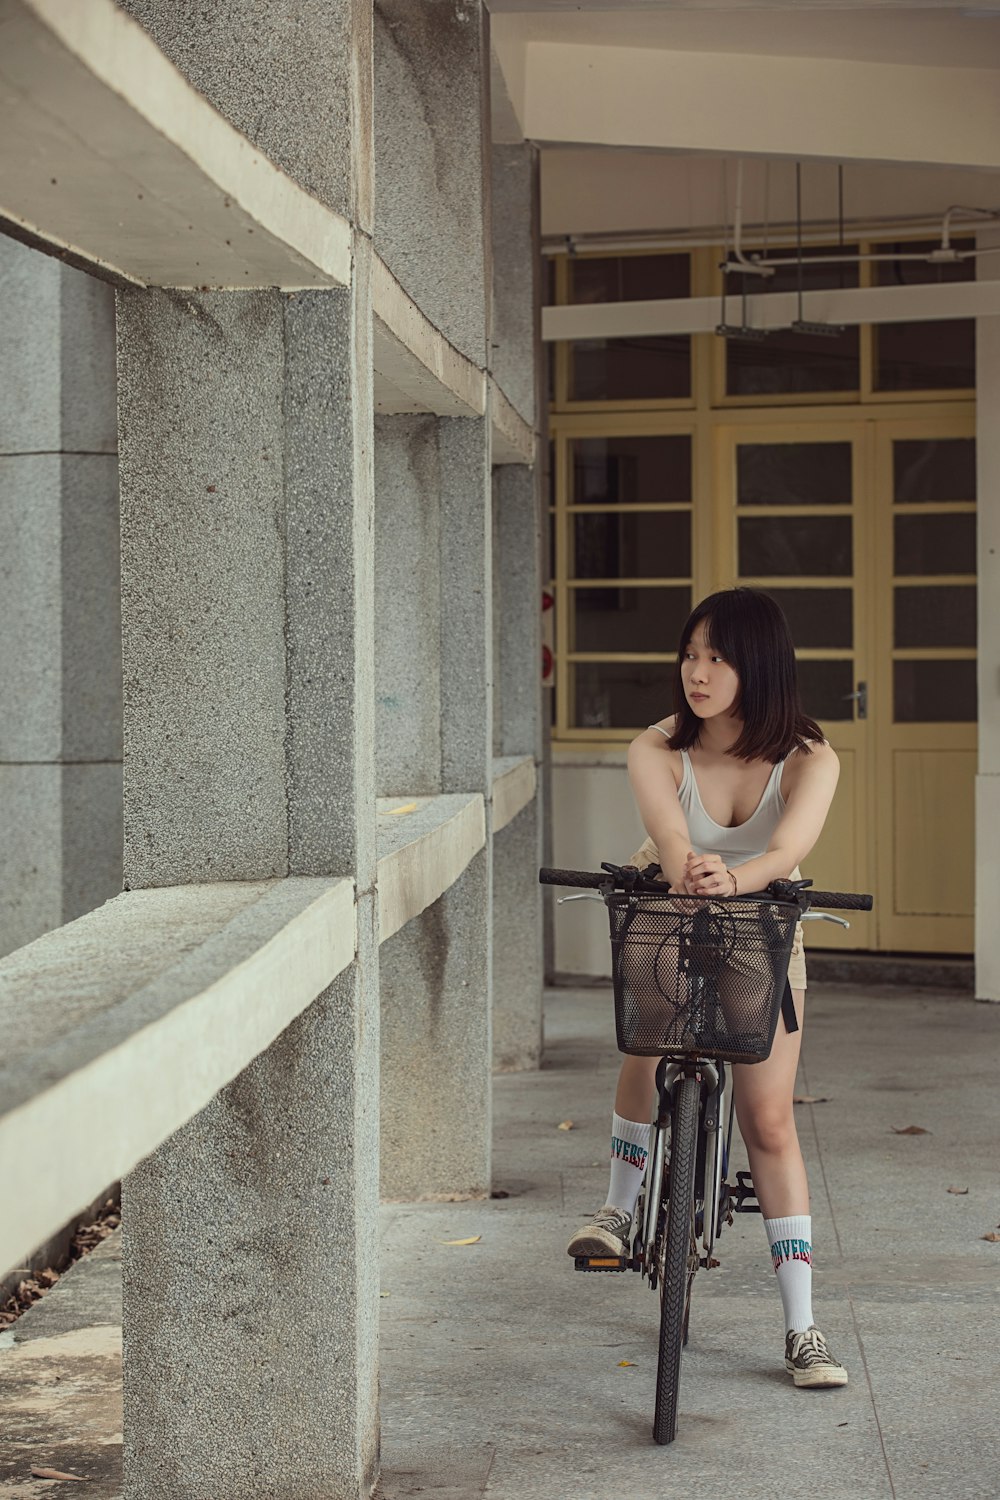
(502,1368)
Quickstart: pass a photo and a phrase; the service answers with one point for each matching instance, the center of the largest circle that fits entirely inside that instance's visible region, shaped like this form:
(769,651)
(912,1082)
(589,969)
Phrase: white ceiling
(956,36)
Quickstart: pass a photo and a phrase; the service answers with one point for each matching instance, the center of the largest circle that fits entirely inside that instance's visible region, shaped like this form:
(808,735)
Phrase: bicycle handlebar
(778,890)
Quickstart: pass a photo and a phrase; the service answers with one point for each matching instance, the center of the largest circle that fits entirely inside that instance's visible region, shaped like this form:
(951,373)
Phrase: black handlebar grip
(585,878)
(840,900)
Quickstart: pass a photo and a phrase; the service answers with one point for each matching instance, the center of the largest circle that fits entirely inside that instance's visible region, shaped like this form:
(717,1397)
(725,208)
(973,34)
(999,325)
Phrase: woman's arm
(795,836)
(655,792)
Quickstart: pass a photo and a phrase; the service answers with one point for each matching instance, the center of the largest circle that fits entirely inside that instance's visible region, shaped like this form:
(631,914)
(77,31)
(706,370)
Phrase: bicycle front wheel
(679,1256)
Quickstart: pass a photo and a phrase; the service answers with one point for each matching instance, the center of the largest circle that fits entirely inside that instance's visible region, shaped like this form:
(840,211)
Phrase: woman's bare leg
(763,1094)
(634,1098)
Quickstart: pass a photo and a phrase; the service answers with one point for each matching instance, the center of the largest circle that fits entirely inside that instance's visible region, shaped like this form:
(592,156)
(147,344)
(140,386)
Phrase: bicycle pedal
(603,1263)
(744,1195)
(708,1262)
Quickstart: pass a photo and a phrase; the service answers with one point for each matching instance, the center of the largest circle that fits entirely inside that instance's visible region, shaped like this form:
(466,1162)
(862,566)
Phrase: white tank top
(734,845)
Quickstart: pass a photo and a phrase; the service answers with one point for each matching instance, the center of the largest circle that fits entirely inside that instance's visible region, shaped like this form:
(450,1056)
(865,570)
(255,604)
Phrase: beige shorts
(647,854)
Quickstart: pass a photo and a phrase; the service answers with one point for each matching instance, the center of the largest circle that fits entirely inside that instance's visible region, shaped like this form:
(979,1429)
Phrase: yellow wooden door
(792,517)
(865,534)
(923,700)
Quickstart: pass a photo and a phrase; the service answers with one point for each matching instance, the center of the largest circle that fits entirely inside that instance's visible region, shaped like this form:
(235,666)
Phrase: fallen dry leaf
(56,1474)
(959,1192)
(567,1125)
(396,812)
(473,1241)
(811,1099)
(993,1237)
(625,1364)
(909,1130)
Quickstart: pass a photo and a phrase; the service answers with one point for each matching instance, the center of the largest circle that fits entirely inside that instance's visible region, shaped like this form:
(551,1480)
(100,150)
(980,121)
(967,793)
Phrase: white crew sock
(629,1149)
(790,1240)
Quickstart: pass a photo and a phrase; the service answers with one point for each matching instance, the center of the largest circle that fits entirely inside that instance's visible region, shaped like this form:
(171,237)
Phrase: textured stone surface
(60,646)
(408,588)
(431,90)
(91,836)
(200,411)
(518,630)
(330,604)
(436,1045)
(277,1285)
(295,80)
(515,274)
(31,672)
(90,600)
(30,408)
(31,867)
(466,608)
(517,943)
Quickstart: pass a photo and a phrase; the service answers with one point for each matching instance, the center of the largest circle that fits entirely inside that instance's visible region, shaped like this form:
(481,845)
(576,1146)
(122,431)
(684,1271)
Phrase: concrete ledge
(515,780)
(108,154)
(140,1012)
(423,851)
(513,439)
(416,368)
(885,304)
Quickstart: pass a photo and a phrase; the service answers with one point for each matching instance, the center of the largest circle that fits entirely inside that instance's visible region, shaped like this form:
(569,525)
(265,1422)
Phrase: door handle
(861,697)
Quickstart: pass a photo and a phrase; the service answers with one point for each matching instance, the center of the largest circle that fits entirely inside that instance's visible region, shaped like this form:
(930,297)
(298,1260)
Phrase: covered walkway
(502,1367)
(503,1372)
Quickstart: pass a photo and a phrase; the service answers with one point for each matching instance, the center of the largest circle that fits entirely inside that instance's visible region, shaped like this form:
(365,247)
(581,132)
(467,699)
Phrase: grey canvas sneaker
(809,1361)
(606,1234)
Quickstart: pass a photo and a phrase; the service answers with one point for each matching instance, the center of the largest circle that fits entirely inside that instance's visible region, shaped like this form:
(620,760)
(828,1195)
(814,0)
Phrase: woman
(734,790)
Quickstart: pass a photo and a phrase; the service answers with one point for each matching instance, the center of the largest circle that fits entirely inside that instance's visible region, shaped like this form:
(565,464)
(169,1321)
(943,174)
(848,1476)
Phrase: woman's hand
(706,875)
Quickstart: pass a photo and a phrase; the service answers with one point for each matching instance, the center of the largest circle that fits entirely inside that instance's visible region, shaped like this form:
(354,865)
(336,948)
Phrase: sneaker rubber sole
(818,1377)
(595,1242)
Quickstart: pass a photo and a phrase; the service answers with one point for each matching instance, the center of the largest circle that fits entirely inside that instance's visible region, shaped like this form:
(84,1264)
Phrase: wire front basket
(697,976)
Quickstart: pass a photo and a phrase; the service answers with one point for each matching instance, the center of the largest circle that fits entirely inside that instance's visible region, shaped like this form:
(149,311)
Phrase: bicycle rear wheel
(678,1260)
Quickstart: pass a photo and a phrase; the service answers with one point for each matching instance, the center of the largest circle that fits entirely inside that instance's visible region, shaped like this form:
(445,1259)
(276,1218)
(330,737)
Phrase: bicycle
(699,982)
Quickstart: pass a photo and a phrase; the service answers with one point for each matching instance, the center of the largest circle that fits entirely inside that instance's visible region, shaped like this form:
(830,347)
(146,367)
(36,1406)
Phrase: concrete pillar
(988,779)
(517,849)
(434,570)
(518,972)
(250,1293)
(435,703)
(60,659)
(431,171)
(408,586)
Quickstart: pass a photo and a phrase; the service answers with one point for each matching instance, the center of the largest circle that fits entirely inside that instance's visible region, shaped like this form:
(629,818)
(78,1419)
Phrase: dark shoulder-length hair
(748,628)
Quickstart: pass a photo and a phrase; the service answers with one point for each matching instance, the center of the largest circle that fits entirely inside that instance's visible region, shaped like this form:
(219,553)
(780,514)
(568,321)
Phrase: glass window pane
(937,356)
(784,546)
(793,474)
(932,470)
(785,361)
(628,619)
(825,688)
(818,617)
(622,695)
(628,278)
(633,544)
(654,368)
(943,616)
(924,356)
(935,544)
(935,692)
(634,470)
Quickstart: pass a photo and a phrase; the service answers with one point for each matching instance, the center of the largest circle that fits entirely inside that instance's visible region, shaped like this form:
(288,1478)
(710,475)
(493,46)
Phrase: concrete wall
(408,587)
(60,661)
(594,818)
(431,182)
